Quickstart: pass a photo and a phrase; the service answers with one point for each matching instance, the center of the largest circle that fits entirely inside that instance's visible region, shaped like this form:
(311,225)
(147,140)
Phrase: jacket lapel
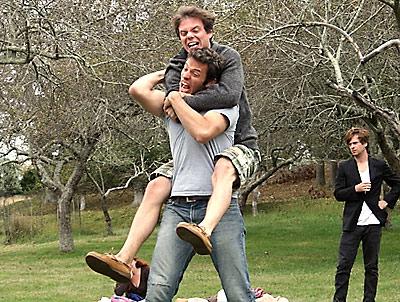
(372,168)
(354,171)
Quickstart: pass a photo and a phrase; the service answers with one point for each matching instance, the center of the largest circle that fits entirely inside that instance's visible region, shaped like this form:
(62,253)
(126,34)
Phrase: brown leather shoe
(109,265)
(196,236)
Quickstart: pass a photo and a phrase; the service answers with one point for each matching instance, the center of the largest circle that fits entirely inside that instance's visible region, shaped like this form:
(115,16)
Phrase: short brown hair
(363,135)
(192,11)
(213,60)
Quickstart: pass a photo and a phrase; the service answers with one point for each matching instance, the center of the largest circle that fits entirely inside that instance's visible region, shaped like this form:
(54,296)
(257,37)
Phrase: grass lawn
(291,250)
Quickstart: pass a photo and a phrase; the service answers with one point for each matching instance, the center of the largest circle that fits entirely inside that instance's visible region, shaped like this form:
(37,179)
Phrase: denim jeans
(370,235)
(172,255)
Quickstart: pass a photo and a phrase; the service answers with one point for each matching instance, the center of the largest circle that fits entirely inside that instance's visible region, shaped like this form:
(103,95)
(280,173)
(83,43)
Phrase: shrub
(22,227)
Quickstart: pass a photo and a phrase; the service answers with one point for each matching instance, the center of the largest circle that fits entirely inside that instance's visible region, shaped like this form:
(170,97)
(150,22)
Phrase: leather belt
(189,199)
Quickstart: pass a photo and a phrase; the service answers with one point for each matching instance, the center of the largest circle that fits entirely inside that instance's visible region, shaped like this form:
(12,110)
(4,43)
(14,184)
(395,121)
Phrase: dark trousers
(370,235)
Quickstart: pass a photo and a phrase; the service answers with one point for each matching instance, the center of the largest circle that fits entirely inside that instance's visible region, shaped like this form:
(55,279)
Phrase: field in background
(291,249)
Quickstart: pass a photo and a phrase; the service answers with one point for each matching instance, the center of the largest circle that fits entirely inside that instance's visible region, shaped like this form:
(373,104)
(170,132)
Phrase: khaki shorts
(245,160)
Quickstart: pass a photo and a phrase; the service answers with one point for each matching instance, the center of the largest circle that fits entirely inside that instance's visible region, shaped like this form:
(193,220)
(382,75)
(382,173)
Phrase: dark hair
(363,135)
(192,11)
(213,60)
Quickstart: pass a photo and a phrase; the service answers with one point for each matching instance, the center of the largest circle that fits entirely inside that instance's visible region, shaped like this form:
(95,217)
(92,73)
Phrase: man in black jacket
(358,184)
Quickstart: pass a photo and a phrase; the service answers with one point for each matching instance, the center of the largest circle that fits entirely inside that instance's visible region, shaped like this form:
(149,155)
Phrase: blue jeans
(172,255)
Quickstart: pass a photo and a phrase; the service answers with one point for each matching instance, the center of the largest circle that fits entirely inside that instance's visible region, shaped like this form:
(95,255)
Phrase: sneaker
(196,236)
(110,266)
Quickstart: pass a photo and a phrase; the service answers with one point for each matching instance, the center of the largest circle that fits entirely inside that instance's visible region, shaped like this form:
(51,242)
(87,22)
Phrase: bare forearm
(142,90)
(201,128)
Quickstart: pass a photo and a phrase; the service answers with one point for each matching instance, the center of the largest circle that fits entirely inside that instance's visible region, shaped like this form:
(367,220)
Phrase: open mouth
(185,87)
(193,45)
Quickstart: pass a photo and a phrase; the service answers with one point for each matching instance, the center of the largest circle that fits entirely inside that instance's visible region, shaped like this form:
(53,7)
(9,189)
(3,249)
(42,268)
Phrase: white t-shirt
(366,216)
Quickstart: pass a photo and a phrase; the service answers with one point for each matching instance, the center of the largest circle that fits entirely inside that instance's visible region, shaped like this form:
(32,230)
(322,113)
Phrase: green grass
(291,250)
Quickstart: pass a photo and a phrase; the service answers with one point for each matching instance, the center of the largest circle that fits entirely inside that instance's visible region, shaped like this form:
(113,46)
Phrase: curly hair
(213,60)
(192,11)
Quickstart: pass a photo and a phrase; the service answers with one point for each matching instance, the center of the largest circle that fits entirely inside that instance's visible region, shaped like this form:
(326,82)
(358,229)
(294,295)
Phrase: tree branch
(388,116)
(378,50)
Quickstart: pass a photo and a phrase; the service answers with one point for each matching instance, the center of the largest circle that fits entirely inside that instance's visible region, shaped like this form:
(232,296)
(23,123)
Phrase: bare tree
(66,70)
(318,69)
(104,193)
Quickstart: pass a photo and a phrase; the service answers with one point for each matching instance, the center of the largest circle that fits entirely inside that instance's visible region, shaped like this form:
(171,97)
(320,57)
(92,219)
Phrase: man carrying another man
(194,27)
(194,142)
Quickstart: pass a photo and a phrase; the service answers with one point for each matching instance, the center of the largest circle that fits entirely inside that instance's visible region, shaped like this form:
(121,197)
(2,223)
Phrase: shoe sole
(198,244)
(101,267)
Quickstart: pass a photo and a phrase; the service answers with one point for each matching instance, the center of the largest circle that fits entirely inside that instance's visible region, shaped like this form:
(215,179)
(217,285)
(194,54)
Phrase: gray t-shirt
(194,162)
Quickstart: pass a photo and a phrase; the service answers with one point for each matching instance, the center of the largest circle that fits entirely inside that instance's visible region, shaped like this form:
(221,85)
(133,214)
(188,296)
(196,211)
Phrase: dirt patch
(271,192)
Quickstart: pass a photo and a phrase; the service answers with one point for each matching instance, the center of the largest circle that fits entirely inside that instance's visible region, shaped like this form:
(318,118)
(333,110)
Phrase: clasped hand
(168,108)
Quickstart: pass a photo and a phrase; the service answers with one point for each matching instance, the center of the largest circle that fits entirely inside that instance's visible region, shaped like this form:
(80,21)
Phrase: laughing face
(193,76)
(193,35)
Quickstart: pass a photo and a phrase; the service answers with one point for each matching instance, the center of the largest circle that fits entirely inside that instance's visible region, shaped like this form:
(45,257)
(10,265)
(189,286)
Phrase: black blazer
(348,177)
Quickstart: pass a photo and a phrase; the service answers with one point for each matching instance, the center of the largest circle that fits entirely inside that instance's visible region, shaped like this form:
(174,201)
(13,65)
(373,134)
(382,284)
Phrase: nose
(186,74)
(189,35)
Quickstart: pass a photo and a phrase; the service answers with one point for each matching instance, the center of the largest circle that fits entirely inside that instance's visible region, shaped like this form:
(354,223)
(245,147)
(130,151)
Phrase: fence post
(320,173)
(332,172)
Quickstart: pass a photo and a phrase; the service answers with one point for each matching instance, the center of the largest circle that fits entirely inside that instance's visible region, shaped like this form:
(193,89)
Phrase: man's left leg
(223,177)
(229,255)
(371,242)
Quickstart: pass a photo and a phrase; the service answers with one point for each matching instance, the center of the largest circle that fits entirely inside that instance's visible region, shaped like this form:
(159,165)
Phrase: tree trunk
(64,204)
(138,196)
(107,216)
(66,240)
(254,204)
(387,151)
(245,191)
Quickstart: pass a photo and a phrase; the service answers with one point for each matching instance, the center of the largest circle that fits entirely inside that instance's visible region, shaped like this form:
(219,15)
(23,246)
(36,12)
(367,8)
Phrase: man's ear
(209,83)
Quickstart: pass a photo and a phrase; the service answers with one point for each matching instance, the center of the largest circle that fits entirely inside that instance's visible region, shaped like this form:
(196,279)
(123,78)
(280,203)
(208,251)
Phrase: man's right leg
(171,255)
(348,247)
(118,267)
(146,217)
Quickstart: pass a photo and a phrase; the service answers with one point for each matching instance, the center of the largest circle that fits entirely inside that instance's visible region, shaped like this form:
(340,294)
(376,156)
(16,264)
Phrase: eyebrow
(185,31)
(193,69)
